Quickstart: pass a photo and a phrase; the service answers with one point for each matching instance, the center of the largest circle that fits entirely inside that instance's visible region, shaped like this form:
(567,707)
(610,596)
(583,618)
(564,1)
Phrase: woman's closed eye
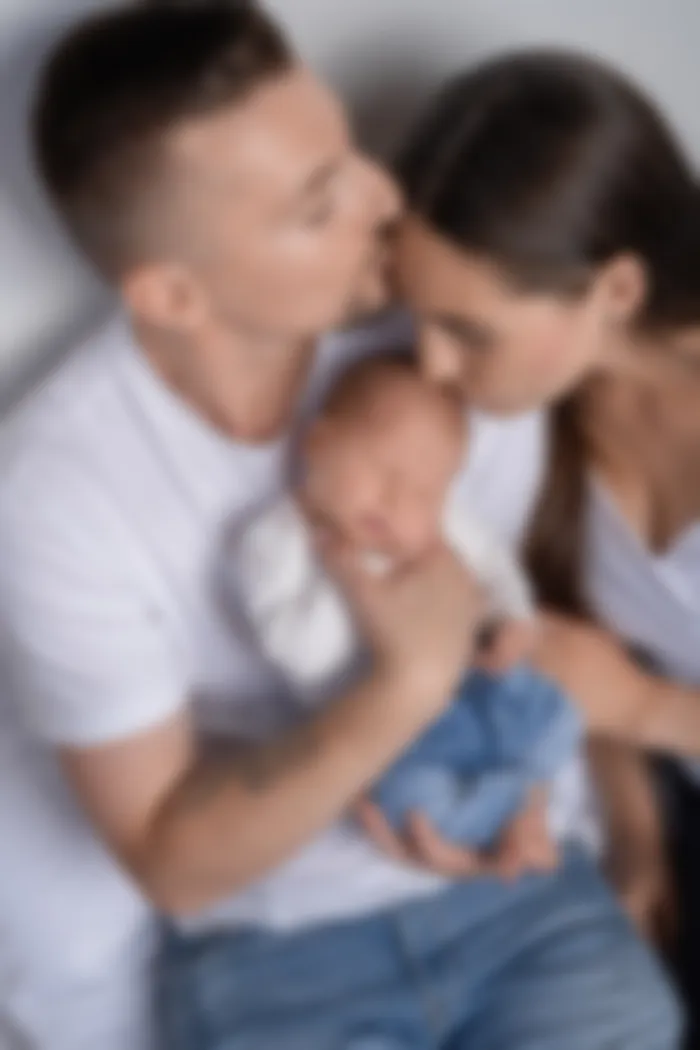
(472,335)
(319,215)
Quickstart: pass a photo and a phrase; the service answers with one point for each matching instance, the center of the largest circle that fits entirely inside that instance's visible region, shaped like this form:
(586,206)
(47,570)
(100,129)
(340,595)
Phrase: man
(213,180)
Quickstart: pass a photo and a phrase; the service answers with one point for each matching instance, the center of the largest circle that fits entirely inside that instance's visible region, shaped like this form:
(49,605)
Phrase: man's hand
(524,846)
(419,620)
(527,844)
(513,643)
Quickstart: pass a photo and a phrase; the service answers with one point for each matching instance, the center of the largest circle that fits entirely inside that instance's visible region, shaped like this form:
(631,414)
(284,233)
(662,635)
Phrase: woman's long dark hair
(550,164)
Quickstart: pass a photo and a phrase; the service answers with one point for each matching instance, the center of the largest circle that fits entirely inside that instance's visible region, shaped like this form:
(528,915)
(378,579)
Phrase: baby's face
(381,477)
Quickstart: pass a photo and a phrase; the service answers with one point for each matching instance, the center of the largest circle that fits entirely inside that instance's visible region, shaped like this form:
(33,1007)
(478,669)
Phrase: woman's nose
(386,197)
(440,361)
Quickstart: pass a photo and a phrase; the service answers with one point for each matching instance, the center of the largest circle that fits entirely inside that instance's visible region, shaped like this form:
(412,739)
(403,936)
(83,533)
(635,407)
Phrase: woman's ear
(621,287)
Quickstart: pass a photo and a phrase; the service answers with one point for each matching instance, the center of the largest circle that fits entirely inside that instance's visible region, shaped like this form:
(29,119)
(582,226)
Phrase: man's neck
(245,386)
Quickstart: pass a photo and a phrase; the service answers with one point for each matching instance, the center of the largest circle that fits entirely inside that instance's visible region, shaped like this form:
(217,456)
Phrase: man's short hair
(116,84)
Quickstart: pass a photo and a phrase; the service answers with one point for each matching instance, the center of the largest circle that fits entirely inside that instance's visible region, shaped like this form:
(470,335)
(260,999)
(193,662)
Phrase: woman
(552,255)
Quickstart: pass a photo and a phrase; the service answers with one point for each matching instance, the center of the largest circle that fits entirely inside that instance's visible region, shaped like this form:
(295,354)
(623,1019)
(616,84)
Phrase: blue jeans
(470,772)
(547,963)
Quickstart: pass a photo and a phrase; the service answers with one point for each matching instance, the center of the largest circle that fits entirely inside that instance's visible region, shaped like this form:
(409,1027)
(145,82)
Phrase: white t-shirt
(116,507)
(652,601)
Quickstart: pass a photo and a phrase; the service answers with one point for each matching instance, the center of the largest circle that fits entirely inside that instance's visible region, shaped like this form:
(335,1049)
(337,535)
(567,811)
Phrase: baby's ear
(315,438)
(313,446)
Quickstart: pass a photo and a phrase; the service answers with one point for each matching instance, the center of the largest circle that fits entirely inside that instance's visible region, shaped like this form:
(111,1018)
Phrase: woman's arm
(636,856)
(626,793)
(617,698)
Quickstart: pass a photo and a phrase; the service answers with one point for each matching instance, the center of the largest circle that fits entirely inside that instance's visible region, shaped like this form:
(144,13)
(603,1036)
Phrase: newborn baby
(379,465)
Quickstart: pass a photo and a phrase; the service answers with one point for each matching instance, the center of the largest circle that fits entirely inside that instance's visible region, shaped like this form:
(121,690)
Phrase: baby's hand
(527,843)
(513,642)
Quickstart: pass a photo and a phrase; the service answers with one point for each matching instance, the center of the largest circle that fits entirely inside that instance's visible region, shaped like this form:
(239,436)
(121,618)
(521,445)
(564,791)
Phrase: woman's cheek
(551,364)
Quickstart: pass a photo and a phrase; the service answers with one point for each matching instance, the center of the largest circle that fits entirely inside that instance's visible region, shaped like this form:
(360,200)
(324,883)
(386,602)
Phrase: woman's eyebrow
(466,328)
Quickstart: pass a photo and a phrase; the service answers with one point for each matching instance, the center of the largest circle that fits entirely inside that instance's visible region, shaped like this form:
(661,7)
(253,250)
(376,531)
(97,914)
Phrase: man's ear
(622,286)
(165,296)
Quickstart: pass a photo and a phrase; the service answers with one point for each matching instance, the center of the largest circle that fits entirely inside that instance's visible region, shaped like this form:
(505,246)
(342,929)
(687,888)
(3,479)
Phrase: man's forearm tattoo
(256,766)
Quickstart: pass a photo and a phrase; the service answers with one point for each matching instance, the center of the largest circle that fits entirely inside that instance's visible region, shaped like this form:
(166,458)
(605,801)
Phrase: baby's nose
(375,527)
(413,528)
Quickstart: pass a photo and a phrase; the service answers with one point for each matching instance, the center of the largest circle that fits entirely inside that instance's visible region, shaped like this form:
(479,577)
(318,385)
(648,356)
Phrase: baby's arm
(299,617)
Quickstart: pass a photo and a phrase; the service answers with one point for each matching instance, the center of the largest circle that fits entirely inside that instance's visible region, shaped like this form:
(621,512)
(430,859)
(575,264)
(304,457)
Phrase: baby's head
(380,457)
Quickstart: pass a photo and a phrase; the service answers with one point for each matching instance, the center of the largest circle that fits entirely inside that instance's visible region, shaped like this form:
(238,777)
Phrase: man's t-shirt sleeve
(87,654)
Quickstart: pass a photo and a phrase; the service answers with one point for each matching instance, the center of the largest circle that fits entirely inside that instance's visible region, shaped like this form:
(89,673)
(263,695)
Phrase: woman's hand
(637,862)
(641,875)
(614,695)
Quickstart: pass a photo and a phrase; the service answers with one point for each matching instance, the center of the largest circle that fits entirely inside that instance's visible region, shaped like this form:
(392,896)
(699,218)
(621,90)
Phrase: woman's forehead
(436,276)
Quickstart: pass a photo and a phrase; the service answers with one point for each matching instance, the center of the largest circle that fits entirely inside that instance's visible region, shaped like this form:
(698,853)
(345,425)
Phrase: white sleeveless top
(650,600)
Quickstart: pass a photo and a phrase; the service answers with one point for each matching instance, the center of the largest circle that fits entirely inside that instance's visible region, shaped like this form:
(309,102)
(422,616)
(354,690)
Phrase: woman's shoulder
(504,470)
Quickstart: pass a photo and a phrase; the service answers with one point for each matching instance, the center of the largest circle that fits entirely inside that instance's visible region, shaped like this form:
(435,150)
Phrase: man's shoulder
(55,444)
(64,415)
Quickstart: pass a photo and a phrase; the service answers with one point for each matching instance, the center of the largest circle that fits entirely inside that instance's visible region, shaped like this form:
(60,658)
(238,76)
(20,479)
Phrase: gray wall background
(383,55)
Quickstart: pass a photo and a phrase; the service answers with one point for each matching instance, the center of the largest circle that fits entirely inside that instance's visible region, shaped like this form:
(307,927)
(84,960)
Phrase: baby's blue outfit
(471,771)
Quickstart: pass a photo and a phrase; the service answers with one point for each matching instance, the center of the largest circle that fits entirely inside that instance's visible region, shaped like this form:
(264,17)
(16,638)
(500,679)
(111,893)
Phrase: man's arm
(94,671)
(197,823)
(194,827)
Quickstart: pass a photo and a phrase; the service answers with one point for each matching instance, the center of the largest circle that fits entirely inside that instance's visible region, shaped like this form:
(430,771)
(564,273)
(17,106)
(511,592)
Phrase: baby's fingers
(377,827)
(432,851)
